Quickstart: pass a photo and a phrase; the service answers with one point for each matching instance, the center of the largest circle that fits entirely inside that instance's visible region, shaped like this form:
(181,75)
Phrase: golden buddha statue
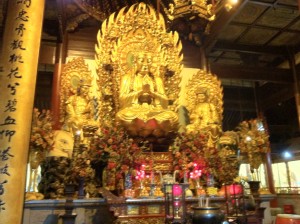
(142,95)
(205,107)
(204,115)
(77,106)
(133,54)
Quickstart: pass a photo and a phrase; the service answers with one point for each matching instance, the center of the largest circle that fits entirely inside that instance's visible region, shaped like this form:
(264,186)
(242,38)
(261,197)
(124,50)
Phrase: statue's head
(202,95)
(83,87)
(144,62)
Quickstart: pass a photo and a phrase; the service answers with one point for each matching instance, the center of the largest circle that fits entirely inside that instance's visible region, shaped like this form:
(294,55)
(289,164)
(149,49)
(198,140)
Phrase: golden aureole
(139,62)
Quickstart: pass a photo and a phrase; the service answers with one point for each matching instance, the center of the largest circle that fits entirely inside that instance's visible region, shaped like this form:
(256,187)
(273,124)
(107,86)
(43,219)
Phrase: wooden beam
(82,45)
(263,27)
(62,18)
(275,50)
(222,20)
(296,77)
(276,97)
(275,75)
(275,4)
(280,128)
(239,105)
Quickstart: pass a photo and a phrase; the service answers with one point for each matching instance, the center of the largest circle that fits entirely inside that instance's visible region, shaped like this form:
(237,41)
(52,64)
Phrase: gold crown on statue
(202,89)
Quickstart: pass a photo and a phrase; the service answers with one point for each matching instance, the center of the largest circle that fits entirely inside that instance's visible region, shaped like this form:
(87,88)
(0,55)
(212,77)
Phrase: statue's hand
(146,88)
(146,92)
(146,96)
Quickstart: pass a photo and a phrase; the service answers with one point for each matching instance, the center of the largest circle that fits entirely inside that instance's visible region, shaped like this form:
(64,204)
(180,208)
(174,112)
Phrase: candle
(160,177)
(207,202)
(152,177)
(235,189)
(185,177)
(200,203)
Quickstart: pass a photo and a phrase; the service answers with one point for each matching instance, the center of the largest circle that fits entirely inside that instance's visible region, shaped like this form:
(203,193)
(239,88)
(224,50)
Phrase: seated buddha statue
(205,118)
(79,112)
(143,102)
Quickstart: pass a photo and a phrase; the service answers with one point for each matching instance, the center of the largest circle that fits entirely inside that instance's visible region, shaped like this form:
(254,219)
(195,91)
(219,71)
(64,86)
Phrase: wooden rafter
(242,72)
(222,21)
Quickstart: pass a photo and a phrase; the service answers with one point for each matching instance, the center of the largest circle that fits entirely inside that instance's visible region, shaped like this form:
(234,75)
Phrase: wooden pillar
(203,61)
(296,83)
(288,173)
(270,179)
(60,59)
(21,44)
(268,160)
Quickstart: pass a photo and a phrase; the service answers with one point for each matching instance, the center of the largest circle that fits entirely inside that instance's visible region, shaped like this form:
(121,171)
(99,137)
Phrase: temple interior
(149,111)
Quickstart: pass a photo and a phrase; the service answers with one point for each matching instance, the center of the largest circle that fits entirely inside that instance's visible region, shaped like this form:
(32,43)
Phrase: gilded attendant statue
(205,117)
(205,106)
(78,99)
(79,111)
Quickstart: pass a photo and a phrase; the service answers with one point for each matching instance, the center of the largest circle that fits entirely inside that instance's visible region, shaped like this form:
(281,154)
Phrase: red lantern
(235,189)
(177,190)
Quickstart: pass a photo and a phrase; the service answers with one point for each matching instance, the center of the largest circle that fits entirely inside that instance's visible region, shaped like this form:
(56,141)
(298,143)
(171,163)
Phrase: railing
(287,190)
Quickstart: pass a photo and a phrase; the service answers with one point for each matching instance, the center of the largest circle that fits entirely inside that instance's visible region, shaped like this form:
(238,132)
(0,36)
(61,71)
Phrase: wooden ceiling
(254,49)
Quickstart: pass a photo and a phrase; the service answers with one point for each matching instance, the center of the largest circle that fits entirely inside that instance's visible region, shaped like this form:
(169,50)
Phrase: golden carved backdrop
(136,98)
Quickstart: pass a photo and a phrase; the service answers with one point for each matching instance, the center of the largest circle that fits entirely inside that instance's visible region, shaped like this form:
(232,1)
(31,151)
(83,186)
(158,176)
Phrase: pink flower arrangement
(113,147)
(190,149)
